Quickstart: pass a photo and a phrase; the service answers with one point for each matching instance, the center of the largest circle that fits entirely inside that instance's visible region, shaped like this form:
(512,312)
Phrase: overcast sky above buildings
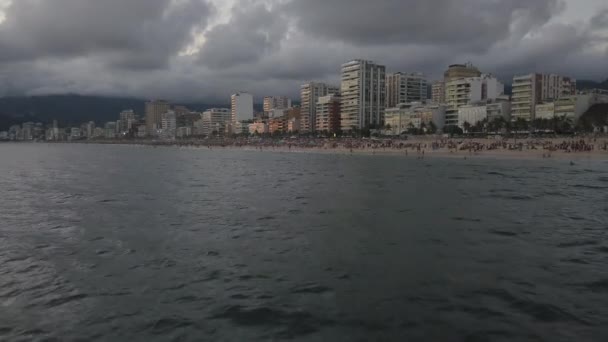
(203,50)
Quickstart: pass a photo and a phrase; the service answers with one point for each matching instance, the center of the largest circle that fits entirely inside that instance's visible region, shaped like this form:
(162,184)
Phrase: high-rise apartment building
(309,96)
(241,107)
(169,124)
(276,102)
(154,115)
(405,88)
(464,91)
(457,71)
(215,121)
(328,114)
(533,89)
(438,92)
(127,120)
(363,94)
(556,87)
(469,91)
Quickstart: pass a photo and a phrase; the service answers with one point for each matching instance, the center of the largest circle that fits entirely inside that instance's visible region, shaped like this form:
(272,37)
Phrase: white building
(545,110)
(466,91)
(183,132)
(169,125)
(414,115)
(500,108)
(405,88)
(363,94)
(533,89)
(309,96)
(471,114)
(277,113)
(293,125)
(215,121)
(241,107)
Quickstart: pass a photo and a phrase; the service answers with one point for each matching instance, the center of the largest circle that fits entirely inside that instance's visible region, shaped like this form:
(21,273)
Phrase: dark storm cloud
(253,31)
(600,20)
(130,34)
(467,24)
(131,47)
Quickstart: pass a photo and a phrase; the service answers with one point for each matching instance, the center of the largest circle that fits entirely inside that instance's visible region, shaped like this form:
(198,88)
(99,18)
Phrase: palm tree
(467,126)
(521,124)
(432,127)
(564,124)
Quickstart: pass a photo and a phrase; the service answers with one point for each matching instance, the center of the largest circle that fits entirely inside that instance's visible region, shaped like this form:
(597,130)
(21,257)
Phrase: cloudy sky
(203,50)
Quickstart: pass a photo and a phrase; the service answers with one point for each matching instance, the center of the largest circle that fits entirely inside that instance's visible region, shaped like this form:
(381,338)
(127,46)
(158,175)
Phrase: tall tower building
(127,119)
(438,92)
(169,125)
(309,96)
(457,71)
(363,94)
(276,102)
(405,88)
(527,93)
(154,115)
(241,107)
(328,114)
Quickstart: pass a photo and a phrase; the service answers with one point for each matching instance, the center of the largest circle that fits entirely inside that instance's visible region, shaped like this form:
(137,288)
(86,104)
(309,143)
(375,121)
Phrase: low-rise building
(169,125)
(75,133)
(110,130)
(417,115)
(293,125)
(471,115)
(499,108)
(277,125)
(545,110)
(142,131)
(183,132)
(258,128)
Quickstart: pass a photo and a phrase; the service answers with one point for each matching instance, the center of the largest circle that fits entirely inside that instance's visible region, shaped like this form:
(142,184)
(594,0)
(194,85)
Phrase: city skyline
(202,50)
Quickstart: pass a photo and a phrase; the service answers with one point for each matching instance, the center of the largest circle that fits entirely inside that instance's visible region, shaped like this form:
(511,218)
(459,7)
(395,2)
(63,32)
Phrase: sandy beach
(418,148)
(567,149)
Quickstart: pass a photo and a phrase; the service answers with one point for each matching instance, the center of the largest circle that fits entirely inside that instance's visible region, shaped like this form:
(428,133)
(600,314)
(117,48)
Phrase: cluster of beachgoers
(589,146)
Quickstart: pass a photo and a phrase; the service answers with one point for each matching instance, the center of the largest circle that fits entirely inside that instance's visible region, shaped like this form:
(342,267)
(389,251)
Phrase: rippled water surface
(118,243)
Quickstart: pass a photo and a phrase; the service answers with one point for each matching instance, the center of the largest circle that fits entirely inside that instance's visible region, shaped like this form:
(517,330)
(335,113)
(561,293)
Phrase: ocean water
(126,243)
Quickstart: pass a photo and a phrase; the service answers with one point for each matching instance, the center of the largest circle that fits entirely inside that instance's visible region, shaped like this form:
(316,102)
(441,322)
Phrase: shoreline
(412,150)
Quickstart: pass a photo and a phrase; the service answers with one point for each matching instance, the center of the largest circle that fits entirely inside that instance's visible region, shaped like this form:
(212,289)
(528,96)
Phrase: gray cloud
(600,20)
(464,24)
(130,34)
(117,47)
(253,31)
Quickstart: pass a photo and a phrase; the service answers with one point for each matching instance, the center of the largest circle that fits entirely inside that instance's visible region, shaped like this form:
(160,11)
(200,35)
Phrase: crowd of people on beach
(448,145)
(419,147)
